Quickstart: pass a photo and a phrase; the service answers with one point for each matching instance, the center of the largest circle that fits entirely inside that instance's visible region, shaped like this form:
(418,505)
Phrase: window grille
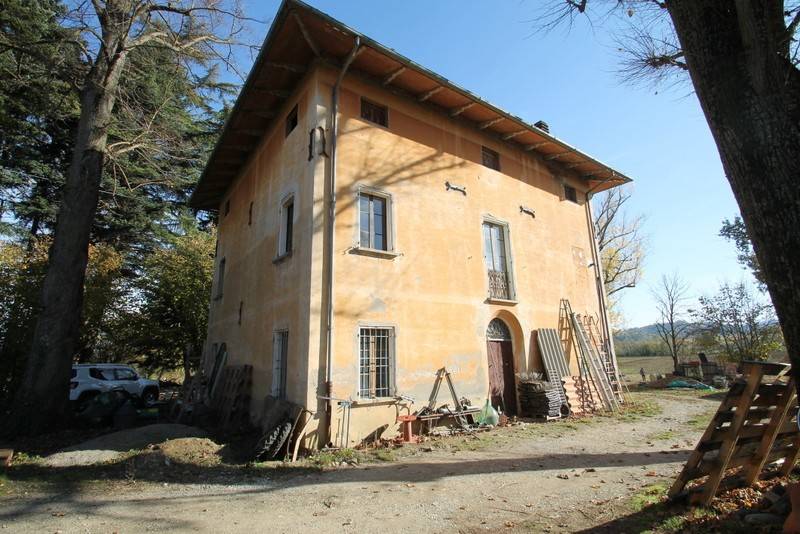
(497,330)
(494,254)
(376,362)
(570,193)
(490,158)
(374,113)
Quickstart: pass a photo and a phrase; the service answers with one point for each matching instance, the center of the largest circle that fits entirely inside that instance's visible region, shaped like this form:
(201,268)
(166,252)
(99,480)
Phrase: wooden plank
(791,458)
(596,370)
(770,432)
(695,466)
(729,443)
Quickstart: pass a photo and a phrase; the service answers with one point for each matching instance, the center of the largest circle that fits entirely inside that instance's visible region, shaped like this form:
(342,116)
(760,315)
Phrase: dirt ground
(568,476)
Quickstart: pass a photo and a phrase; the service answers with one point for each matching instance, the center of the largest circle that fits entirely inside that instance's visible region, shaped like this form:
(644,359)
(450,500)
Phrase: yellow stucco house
(377,223)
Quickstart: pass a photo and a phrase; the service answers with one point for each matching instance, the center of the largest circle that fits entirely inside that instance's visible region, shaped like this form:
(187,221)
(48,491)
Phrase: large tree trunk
(750,94)
(41,402)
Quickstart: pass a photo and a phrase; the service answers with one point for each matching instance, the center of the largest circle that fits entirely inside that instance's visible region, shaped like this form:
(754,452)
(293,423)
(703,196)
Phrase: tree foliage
(166,327)
(734,230)
(122,98)
(741,322)
(743,59)
(620,239)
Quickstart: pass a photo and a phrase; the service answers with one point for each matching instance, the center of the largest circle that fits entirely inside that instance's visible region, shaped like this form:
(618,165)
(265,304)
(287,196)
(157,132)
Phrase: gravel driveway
(562,482)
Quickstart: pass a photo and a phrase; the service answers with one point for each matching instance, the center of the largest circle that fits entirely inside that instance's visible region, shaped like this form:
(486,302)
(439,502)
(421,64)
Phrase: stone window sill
(283,257)
(375,253)
(505,302)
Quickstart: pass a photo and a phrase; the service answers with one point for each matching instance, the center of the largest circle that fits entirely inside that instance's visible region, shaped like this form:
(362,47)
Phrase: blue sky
(659,136)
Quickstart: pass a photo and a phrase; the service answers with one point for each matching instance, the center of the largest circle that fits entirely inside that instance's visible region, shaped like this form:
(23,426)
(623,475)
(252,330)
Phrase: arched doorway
(502,388)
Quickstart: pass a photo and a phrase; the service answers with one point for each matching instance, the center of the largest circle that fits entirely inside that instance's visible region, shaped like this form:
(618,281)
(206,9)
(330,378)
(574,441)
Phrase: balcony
(498,285)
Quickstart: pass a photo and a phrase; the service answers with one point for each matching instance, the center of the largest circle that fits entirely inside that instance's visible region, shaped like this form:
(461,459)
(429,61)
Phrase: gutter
(331,234)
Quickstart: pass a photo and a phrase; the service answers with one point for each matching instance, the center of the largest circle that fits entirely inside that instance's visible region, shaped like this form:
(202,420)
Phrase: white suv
(90,379)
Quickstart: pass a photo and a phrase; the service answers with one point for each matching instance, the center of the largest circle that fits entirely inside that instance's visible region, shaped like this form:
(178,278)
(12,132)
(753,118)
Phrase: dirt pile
(117,445)
(194,451)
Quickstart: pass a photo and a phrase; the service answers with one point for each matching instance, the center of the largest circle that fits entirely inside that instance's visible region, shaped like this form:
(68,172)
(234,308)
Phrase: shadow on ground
(70,482)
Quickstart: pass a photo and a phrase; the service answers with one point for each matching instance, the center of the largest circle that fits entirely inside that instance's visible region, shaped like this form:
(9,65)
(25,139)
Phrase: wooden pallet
(755,425)
(231,401)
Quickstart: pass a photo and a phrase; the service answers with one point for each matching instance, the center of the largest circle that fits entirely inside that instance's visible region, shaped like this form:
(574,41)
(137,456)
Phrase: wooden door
(502,388)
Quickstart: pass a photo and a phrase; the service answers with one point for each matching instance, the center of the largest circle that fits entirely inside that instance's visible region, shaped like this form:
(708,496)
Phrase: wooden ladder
(755,425)
(596,371)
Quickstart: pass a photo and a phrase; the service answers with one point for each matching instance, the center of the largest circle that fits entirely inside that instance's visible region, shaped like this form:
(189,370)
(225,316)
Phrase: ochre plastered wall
(274,295)
(434,291)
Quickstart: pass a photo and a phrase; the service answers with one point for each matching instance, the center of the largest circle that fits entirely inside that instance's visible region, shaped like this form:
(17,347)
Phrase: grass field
(630,365)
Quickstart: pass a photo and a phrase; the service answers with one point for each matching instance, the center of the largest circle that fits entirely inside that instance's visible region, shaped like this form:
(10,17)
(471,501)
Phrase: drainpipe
(330,230)
(600,283)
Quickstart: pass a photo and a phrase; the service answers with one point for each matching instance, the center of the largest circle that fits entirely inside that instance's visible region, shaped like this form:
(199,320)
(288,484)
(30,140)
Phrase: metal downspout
(600,283)
(330,229)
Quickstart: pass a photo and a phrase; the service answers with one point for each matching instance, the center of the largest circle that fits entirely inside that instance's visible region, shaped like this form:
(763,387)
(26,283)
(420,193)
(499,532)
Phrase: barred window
(496,256)
(570,193)
(376,363)
(490,158)
(374,113)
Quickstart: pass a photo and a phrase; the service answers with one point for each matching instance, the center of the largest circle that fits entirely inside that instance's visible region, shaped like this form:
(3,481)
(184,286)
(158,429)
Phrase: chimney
(542,126)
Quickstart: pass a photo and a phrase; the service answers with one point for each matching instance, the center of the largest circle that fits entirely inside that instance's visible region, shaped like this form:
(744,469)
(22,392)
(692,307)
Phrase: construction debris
(755,425)
(231,398)
(541,399)
(555,363)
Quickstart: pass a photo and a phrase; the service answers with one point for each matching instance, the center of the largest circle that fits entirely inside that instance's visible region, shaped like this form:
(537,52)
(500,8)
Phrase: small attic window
(375,113)
(490,158)
(570,193)
(291,120)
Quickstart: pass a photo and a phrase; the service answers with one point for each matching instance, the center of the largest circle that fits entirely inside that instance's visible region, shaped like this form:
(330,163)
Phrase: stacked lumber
(540,399)
(755,425)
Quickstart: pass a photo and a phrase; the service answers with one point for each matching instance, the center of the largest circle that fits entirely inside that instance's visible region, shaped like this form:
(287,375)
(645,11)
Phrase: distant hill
(639,334)
(632,335)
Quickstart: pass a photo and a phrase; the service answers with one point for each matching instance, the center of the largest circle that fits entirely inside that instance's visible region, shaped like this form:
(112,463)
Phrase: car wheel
(85,398)
(150,397)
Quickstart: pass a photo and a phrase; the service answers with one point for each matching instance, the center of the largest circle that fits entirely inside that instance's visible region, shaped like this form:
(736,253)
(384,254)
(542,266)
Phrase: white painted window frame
(289,198)
(512,282)
(390,221)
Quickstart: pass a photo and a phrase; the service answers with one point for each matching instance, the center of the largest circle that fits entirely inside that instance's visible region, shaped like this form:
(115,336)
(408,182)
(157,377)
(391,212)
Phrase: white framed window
(497,259)
(280,351)
(376,362)
(286,234)
(375,221)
